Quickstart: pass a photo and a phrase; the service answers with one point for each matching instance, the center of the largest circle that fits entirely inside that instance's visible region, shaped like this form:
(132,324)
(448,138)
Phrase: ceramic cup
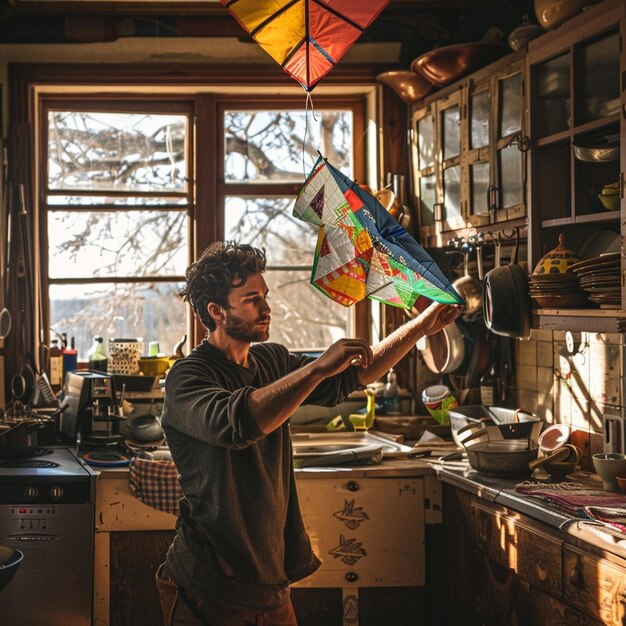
(608,465)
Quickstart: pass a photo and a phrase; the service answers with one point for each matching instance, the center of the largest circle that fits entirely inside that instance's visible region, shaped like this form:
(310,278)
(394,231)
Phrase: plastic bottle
(56,366)
(96,356)
(70,356)
(392,392)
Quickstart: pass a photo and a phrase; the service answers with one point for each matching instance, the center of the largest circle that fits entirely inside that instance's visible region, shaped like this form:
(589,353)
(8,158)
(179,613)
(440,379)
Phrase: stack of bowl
(552,284)
(610,197)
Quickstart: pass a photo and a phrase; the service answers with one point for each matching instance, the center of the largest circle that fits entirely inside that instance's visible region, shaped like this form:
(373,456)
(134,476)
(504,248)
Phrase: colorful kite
(305,37)
(361,250)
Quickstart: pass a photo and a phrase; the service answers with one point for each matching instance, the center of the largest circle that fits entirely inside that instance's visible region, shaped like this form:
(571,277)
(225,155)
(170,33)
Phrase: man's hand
(437,316)
(342,354)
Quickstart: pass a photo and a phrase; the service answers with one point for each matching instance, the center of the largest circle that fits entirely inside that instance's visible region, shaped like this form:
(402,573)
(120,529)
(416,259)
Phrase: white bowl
(554,437)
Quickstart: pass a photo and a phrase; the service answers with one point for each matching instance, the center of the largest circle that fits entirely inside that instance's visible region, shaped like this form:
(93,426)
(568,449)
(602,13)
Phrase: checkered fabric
(155,483)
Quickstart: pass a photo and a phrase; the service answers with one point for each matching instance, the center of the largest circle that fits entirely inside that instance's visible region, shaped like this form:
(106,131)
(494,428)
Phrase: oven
(47,504)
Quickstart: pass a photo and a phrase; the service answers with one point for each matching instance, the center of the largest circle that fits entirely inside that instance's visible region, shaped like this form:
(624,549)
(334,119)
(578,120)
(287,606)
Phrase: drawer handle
(576,577)
(352,577)
(353,486)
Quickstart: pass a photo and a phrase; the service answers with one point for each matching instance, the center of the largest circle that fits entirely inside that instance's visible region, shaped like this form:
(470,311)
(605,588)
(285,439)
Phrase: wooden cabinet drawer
(595,586)
(528,551)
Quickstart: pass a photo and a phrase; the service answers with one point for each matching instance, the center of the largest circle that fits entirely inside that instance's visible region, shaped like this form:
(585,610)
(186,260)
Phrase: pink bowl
(554,437)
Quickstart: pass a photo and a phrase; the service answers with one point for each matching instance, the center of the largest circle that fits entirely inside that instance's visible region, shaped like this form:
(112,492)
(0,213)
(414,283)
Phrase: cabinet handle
(353,486)
(352,577)
(576,577)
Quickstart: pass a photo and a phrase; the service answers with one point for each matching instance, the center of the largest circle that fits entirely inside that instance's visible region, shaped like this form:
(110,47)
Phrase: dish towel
(155,483)
(575,499)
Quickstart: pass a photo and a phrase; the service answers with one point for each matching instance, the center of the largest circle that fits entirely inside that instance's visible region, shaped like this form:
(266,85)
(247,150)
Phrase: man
(240,536)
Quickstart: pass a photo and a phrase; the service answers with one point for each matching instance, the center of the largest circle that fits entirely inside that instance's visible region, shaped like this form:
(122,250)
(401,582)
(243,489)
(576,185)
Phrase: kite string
(309,100)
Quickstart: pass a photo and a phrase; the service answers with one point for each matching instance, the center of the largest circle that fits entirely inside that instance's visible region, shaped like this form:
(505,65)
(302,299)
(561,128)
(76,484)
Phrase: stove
(47,504)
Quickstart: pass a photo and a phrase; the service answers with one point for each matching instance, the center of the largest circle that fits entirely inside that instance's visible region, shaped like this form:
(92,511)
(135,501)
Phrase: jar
(438,399)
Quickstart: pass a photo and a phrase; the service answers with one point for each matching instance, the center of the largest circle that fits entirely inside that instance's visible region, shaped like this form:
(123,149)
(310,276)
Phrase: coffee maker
(91,410)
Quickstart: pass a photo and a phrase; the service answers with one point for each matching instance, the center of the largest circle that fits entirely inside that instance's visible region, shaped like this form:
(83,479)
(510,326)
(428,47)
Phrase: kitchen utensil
(558,260)
(610,202)
(506,458)
(554,437)
(560,469)
(552,13)
(444,351)
(607,466)
(10,560)
(19,439)
(410,86)
(600,149)
(524,33)
(621,481)
(438,400)
(470,289)
(560,454)
(444,65)
(506,298)
(501,423)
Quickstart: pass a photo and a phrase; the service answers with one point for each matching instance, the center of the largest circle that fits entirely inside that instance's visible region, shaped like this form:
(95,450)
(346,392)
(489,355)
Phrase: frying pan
(506,299)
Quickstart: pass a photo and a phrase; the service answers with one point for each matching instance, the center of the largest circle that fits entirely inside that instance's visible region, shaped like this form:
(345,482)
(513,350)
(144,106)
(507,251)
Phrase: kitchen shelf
(589,320)
(609,216)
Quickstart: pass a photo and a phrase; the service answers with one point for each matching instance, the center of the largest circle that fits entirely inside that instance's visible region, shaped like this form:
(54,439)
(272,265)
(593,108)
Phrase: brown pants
(182,608)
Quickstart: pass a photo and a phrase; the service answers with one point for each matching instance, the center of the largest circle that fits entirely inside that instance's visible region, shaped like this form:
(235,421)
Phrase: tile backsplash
(573,380)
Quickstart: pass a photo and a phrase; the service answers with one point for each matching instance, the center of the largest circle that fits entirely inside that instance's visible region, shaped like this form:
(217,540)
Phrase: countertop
(502,491)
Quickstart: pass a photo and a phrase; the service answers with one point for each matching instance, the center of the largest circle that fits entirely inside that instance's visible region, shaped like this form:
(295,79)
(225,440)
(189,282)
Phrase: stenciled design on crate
(349,551)
(351,516)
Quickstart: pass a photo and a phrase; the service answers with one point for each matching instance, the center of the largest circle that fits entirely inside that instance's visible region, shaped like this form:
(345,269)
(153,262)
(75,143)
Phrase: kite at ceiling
(305,37)
(361,250)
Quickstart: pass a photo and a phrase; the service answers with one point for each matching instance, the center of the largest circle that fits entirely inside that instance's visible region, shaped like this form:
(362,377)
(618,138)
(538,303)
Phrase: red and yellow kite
(305,37)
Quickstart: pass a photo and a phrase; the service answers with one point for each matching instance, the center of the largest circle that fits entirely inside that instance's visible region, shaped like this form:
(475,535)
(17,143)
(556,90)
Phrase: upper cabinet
(577,106)
(468,156)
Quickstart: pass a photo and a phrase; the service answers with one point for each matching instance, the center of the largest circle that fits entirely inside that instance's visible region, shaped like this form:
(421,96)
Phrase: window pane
(116,151)
(511,99)
(426,142)
(117,243)
(452,192)
(479,179)
(268,223)
(149,310)
(451,132)
(302,316)
(511,176)
(267,145)
(112,201)
(480,111)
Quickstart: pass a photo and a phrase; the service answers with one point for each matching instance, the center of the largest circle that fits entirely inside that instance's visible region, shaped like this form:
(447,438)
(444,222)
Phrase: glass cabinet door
(478,153)
(423,155)
(551,106)
(598,89)
(449,131)
(511,146)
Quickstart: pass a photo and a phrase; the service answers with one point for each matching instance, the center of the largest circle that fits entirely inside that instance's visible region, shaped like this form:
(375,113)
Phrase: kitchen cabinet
(367,524)
(468,152)
(576,100)
(525,571)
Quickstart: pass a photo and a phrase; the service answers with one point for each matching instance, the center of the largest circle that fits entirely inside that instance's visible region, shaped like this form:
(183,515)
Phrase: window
(128,201)
(267,154)
(117,196)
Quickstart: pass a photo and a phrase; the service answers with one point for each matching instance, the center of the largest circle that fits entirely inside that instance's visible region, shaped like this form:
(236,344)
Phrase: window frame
(32,84)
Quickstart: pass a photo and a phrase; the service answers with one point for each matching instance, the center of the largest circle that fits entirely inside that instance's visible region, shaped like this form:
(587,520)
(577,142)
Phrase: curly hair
(222,266)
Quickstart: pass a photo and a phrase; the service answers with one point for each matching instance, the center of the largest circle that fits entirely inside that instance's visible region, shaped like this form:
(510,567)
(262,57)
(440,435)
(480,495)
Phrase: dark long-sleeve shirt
(240,535)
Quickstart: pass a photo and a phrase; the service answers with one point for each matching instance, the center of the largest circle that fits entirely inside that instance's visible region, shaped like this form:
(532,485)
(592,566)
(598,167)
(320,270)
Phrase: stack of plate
(600,278)
(557,290)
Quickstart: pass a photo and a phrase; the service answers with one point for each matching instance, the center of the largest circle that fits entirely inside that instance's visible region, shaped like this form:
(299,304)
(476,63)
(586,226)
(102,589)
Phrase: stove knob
(31,492)
(56,493)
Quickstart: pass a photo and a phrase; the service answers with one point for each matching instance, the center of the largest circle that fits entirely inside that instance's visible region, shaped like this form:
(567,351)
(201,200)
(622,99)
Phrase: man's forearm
(274,404)
(390,350)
